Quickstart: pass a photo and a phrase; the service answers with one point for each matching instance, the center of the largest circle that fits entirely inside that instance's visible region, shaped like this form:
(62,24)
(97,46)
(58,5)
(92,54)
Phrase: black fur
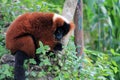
(62,31)
(19,71)
(37,59)
(58,47)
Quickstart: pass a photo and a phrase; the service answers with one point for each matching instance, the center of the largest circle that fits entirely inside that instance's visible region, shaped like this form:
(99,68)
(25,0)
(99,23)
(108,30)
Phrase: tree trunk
(69,9)
(78,19)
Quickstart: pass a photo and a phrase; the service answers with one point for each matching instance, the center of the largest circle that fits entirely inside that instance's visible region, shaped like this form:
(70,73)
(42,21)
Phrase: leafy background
(101,37)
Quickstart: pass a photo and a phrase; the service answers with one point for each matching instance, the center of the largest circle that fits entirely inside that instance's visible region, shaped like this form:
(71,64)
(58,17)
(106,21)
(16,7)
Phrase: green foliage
(10,9)
(101,64)
(105,65)
(42,48)
(6,72)
(93,66)
(61,66)
(102,17)
(2,48)
(115,58)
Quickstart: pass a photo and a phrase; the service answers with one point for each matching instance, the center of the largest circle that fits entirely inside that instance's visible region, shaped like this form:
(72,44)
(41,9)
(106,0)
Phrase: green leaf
(4,1)
(32,61)
(41,73)
(117,58)
(46,61)
(66,75)
(33,74)
(114,63)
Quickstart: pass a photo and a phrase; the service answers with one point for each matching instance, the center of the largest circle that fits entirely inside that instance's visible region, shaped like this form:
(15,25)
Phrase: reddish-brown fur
(40,25)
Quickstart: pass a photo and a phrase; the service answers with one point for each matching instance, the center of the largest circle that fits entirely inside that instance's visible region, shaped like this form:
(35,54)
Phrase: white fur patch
(59,16)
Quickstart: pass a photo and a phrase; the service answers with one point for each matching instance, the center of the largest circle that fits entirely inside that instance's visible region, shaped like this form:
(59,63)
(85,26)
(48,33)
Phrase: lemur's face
(62,31)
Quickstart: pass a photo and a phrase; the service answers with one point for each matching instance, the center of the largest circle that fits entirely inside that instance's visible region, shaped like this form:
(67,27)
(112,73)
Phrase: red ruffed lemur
(25,32)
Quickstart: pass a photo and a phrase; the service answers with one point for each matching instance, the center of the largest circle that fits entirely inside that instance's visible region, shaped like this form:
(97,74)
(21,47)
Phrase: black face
(62,31)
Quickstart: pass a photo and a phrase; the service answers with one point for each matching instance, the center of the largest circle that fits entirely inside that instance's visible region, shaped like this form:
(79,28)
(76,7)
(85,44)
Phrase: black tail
(19,62)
